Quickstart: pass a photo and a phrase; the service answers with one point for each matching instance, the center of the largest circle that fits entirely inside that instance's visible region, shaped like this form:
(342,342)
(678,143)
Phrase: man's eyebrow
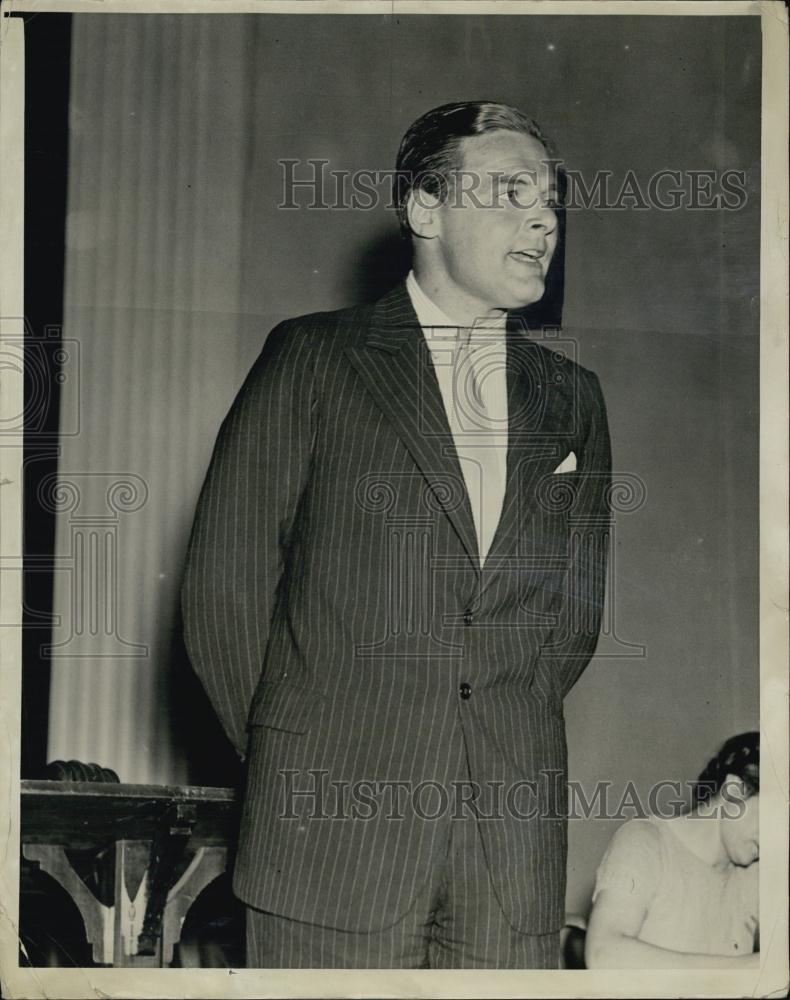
(524,177)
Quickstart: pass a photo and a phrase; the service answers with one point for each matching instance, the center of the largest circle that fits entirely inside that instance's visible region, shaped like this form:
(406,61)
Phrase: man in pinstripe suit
(395,575)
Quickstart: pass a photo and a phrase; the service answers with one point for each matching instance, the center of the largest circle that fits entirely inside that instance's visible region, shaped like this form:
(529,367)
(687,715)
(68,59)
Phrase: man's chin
(527,298)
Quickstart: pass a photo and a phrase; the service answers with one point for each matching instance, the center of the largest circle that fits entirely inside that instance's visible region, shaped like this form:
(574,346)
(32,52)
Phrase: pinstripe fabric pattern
(334,603)
(456,923)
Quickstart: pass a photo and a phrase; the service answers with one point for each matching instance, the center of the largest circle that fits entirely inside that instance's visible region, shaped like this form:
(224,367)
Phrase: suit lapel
(538,410)
(393,360)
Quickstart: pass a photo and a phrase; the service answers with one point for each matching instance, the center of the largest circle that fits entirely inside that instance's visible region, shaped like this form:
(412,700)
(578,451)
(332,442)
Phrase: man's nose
(538,221)
(538,234)
(542,221)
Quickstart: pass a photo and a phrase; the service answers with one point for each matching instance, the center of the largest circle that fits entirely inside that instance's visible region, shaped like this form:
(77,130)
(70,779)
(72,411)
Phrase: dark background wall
(662,305)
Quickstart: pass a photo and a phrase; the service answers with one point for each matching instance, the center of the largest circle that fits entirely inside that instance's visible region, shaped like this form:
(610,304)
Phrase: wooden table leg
(98,919)
(208,864)
(114,931)
(131,893)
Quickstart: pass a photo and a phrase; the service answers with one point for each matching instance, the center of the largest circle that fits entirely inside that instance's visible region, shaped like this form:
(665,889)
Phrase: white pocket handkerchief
(567,464)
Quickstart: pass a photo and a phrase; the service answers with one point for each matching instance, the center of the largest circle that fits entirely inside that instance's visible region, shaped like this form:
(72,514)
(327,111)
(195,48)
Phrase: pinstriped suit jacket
(334,606)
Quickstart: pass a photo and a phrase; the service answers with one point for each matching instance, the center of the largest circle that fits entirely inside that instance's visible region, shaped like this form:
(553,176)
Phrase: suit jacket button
(468,617)
(466,691)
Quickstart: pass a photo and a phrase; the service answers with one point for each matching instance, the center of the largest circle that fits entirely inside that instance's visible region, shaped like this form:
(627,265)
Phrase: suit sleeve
(575,635)
(245,512)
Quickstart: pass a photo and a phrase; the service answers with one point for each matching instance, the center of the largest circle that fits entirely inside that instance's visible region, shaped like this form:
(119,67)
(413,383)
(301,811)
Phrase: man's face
(498,228)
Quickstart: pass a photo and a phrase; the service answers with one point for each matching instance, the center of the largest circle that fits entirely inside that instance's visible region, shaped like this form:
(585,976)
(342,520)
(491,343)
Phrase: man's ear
(422,211)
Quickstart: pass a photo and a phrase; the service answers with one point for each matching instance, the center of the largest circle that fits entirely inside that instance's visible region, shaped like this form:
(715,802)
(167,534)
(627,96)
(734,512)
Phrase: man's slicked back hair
(430,150)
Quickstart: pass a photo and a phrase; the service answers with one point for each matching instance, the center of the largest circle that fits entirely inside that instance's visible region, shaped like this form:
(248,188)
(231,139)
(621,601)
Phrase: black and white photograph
(394,551)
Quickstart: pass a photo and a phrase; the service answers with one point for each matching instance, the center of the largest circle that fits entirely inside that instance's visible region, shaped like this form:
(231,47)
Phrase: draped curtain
(153,343)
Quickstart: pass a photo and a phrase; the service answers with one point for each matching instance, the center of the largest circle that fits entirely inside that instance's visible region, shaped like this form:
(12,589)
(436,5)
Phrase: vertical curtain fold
(159,129)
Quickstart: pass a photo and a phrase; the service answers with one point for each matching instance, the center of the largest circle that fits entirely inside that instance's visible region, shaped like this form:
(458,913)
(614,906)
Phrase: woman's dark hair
(740,756)
(429,151)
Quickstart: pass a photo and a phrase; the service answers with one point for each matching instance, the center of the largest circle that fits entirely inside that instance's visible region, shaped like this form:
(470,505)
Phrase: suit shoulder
(337,325)
(312,344)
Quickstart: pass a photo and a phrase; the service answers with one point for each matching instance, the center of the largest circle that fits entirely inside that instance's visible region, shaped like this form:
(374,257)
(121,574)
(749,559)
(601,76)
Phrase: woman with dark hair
(682,892)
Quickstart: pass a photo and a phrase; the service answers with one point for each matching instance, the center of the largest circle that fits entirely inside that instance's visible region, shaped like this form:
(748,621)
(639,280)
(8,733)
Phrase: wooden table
(133,858)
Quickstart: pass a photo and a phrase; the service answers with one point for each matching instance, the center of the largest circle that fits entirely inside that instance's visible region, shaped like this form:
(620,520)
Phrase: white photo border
(772,978)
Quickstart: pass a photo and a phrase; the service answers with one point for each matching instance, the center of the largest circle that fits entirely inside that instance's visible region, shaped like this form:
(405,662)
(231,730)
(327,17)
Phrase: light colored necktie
(480,438)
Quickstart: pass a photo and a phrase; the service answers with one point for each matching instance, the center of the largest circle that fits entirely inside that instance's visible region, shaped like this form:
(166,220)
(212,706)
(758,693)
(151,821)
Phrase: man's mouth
(526,257)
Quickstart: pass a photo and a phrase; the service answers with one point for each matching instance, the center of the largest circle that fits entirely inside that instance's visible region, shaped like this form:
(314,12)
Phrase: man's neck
(460,309)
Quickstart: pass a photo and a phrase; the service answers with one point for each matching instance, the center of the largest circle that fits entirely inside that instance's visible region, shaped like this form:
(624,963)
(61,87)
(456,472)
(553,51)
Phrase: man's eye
(516,195)
(519,197)
(522,198)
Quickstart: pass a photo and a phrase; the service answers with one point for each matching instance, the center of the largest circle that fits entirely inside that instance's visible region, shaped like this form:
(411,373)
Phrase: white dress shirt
(475,401)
